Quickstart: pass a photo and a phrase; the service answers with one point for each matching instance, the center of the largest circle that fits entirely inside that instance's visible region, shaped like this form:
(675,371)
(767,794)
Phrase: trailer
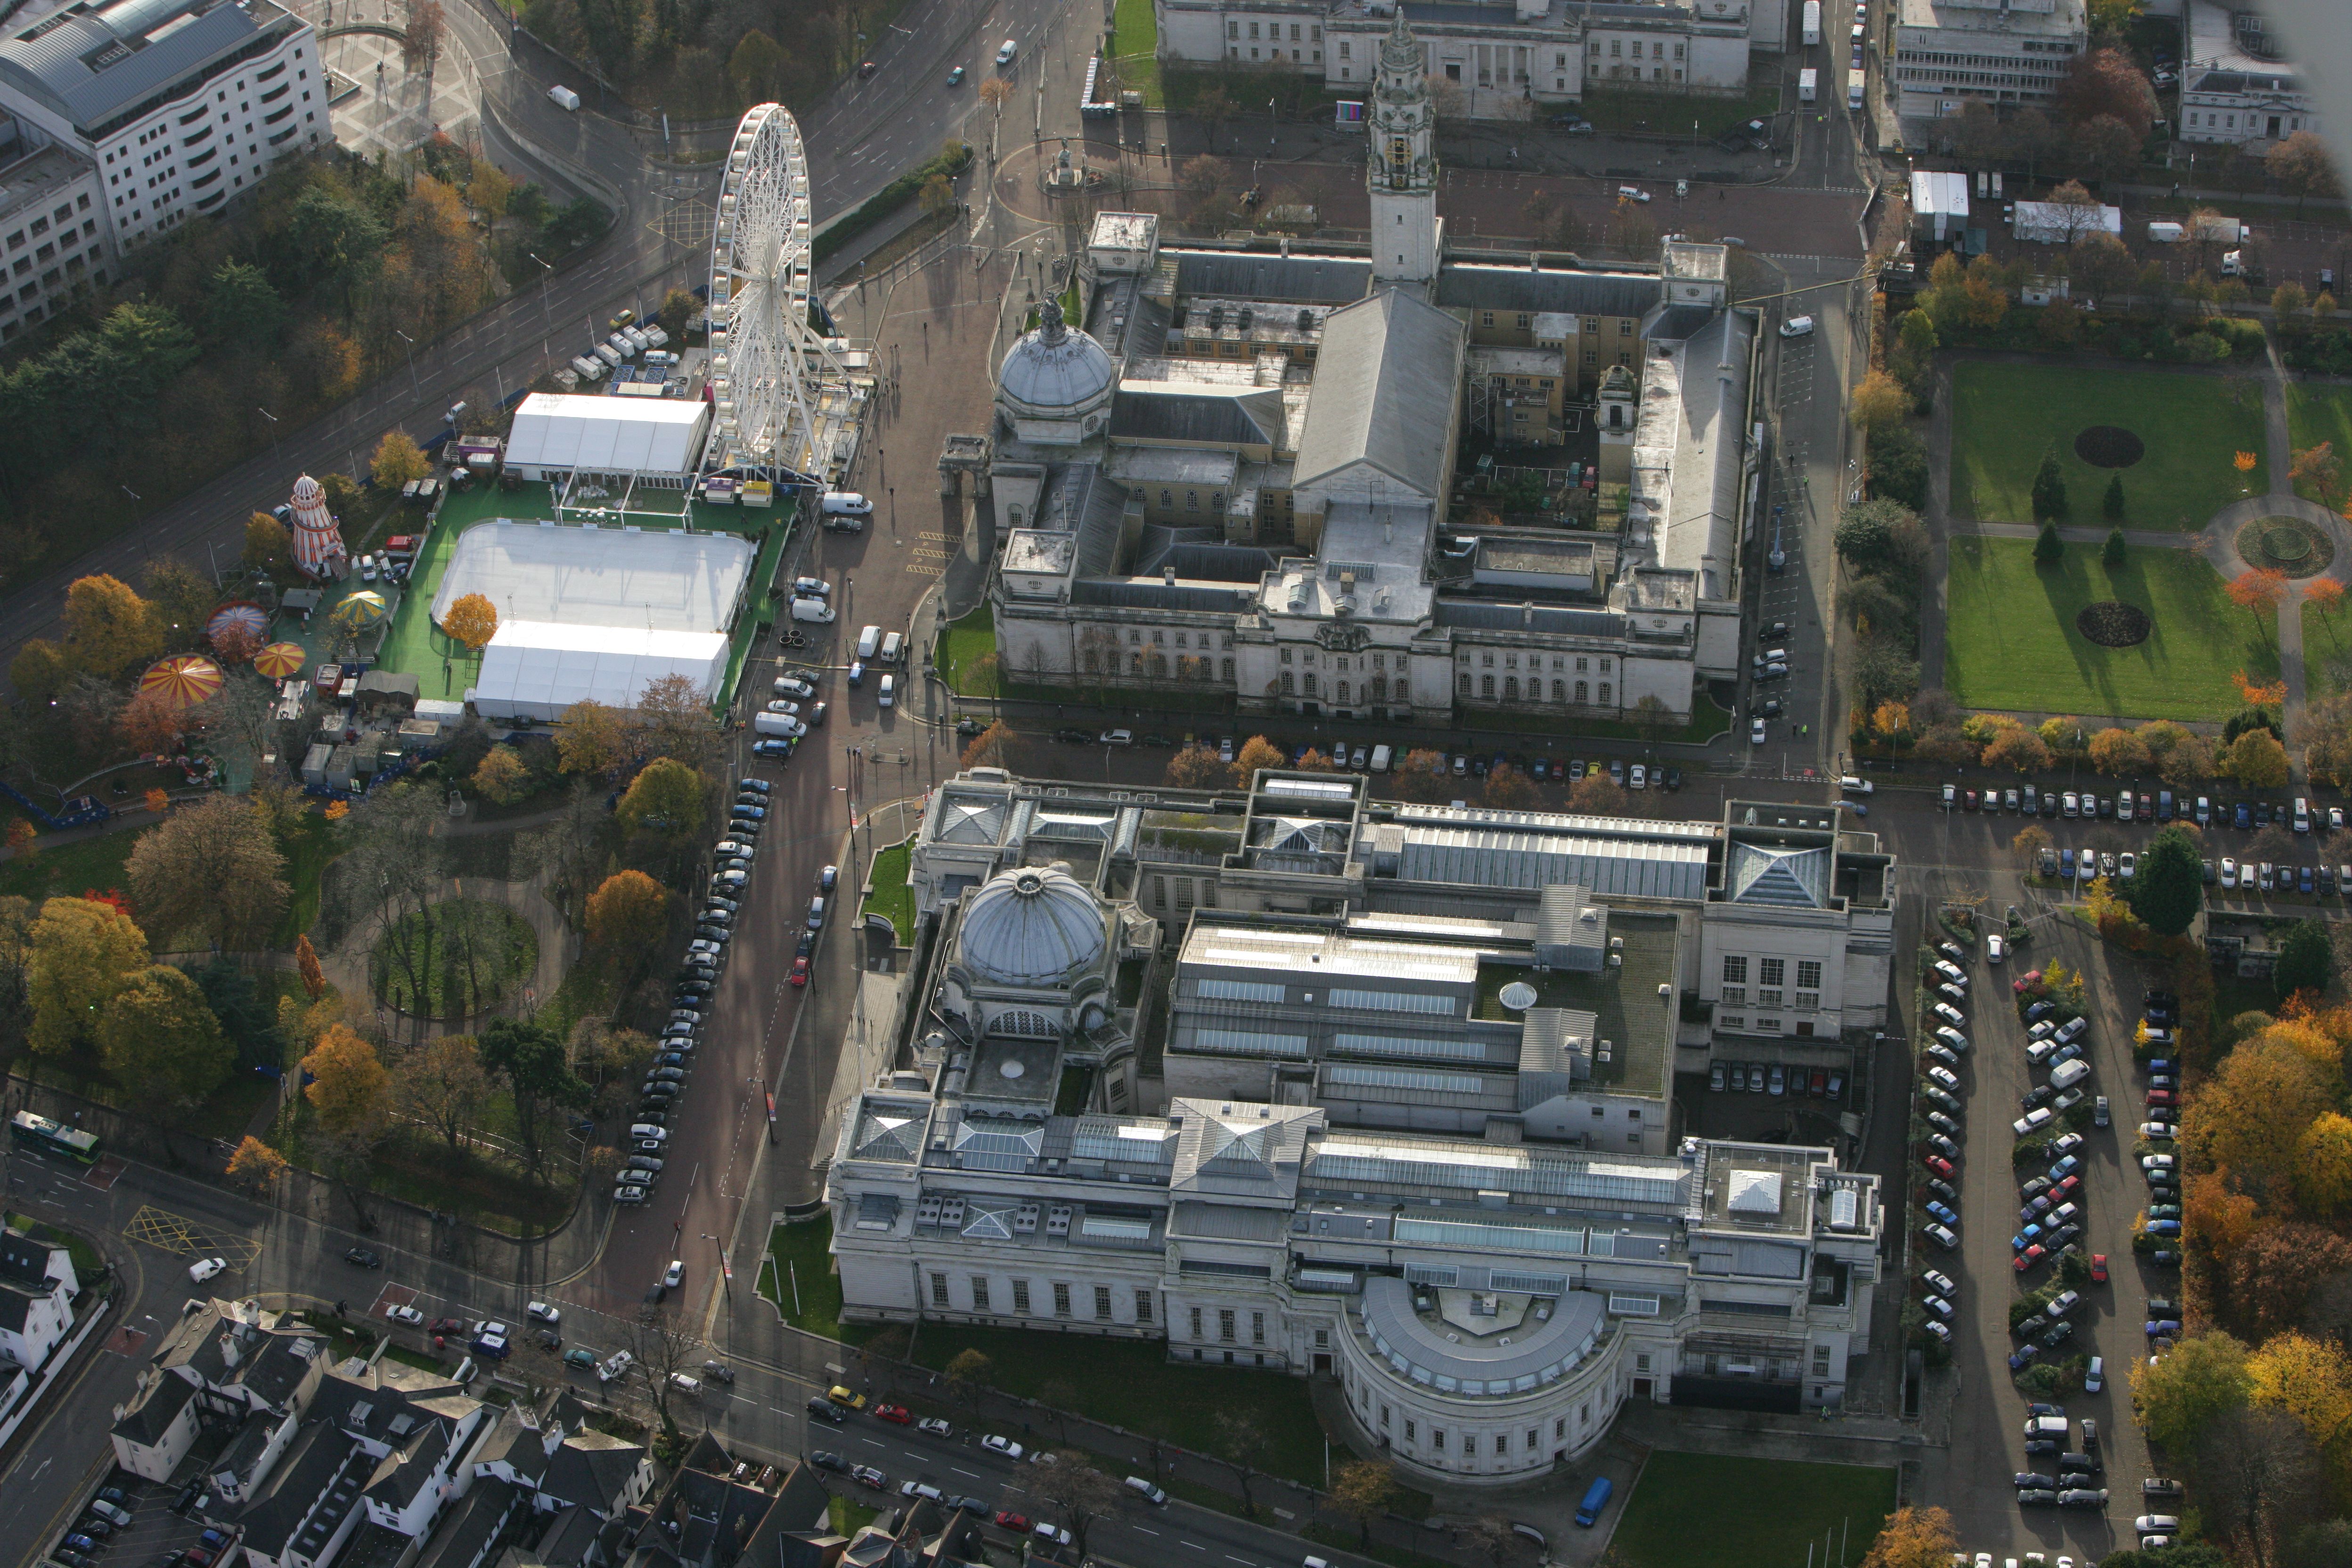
(1808,84)
(1812,23)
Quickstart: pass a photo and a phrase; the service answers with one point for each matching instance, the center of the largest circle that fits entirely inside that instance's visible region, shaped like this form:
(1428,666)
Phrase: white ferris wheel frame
(764,357)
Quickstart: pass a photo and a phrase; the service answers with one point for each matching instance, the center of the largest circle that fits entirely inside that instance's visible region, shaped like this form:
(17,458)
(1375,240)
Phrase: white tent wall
(536,670)
(655,439)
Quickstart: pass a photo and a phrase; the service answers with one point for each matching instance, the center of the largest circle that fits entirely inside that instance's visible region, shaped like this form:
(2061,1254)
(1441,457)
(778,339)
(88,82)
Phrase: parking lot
(1987,1412)
(154,1534)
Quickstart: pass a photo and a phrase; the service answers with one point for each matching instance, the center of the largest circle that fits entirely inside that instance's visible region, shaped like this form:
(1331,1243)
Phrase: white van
(685,1384)
(588,369)
(2069,1074)
(1381,755)
(1007,52)
(815,611)
(782,724)
(1145,1489)
(2302,814)
(893,645)
(844,503)
(609,354)
(564,98)
(869,643)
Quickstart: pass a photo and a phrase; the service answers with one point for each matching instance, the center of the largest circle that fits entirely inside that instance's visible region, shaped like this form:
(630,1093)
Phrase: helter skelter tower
(318,542)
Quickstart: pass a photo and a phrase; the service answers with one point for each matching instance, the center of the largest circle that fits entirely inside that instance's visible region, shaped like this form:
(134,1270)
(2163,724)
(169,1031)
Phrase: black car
(827,1409)
(825,1459)
(1673,777)
(2029,1481)
(2038,1447)
(363,1257)
(2037,1096)
(1074,737)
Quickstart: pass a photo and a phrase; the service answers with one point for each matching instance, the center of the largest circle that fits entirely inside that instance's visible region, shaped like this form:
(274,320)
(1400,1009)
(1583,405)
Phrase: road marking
(1144,1528)
(1242,1561)
(975,1475)
(871,1442)
(1195,1546)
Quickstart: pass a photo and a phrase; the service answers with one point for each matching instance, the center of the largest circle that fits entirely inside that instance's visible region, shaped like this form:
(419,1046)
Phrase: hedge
(950,162)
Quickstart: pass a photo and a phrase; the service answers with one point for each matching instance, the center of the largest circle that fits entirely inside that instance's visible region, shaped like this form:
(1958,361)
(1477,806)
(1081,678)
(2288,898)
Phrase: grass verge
(800,1280)
(2010,641)
(1346,1540)
(967,654)
(1135,48)
(69,870)
(2326,651)
(1708,1511)
(1673,112)
(2316,413)
(2005,416)
(892,898)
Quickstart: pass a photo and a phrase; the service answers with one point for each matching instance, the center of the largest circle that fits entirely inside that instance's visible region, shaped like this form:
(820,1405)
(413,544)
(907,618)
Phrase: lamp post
(404,338)
(546,318)
(275,454)
(726,1284)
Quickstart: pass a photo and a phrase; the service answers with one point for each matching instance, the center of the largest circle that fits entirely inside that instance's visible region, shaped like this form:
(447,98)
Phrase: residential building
(53,239)
(177,104)
(2238,88)
(2004,53)
(1241,478)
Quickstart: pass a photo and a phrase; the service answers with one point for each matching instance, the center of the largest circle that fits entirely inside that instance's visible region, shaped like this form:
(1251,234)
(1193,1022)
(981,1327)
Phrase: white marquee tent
(658,579)
(536,670)
(648,438)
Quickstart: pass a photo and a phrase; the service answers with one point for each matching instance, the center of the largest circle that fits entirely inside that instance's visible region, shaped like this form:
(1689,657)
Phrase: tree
(160,1043)
(443,1084)
(2273,1275)
(754,65)
(665,797)
(256,1163)
(306,964)
(1490,1535)
(267,545)
(1597,794)
(2018,748)
(1242,1446)
(938,197)
(2031,841)
(2077,210)
(40,669)
(2252,1112)
(472,621)
(996,92)
(2111,553)
(1879,402)
(1912,1537)
(81,952)
(1363,1489)
(348,1090)
(2289,300)
(1880,535)
(150,723)
(1196,767)
(2048,548)
(1507,789)
(2189,762)
(1079,1493)
(2111,506)
(2301,163)
(1257,754)
(2180,1395)
(2107,81)
(998,746)
(2326,1544)
(2105,148)
(108,628)
(1422,776)
(628,914)
(501,777)
(2305,959)
(2259,1473)
(2316,467)
(1312,761)
(2256,760)
(398,460)
(1213,106)
(212,871)
(673,720)
(590,739)
(420,41)
(532,1058)
(2170,886)
(968,1373)
(2325,594)
(2119,753)
(664,1344)
(2049,488)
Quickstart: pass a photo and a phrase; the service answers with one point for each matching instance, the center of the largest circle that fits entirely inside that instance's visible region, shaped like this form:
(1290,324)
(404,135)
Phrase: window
(1560,1426)
(1437,1438)
(1408,1432)
(1534,1439)
(1102,1301)
(1734,1021)
(1232,29)
(1061,1300)
(1257,1328)
(1735,967)
(1604,694)
(1253,27)
(1021,1297)
(1809,973)
(1143,1305)
(1821,1361)
(1735,996)
(1346,49)
(1771,971)
(939,1290)
(1196,1322)
(1225,1324)
(1384,1417)
(979,1292)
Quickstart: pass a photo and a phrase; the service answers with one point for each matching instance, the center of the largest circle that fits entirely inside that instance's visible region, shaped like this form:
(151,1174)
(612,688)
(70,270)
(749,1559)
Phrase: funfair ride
(769,366)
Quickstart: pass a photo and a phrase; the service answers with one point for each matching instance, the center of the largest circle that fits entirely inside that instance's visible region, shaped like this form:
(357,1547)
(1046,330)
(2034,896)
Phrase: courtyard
(2013,641)
(2188,429)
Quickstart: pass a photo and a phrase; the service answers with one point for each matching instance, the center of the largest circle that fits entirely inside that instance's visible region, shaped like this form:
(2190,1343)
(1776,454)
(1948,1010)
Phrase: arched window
(1310,683)
(1485,686)
(1023,1023)
(1286,683)
(1135,664)
(1380,687)
(1583,691)
(1560,691)
(1604,694)
(1511,688)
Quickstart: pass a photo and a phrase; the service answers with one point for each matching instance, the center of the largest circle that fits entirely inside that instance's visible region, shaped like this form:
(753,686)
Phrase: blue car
(670,1060)
(1943,1213)
(2161,1326)
(779,749)
(2159,1065)
(2017,1361)
(2025,1238)
(2164,1227)
(2303,879)
(2243,818)
(740,812)
(757,786)
(2034,1210)
(2065,1168)
(81,1543)
(2039,1011)
(2066,865)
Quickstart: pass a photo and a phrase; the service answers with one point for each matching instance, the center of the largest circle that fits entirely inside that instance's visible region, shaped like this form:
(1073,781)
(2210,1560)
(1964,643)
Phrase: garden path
(348,968)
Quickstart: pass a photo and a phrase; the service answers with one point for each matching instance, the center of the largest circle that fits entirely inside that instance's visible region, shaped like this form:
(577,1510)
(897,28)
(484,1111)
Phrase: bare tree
(1242,1437)
(2261,1474)
(1083,1493)
(664,1347)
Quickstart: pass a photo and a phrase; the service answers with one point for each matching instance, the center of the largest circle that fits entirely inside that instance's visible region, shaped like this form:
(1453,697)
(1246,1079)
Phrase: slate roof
(317,1457)
(92,65)
(1384,393)
(1306,279)
(465,1534)
(401,1473)
(150,1413)
(591,1469)
(1231,417)
(1465,287)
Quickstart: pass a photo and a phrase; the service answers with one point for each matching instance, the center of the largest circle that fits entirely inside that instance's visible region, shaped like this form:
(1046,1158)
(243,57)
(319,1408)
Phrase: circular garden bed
(2109,446)
(2111,622)
(452,959)
(2286,544)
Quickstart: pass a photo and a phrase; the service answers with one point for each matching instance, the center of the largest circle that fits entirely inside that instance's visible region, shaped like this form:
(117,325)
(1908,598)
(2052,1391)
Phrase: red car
(1018,1523)
(2098,1267)
(896,1414)
(2065,1189)
(2031,978)
(2161,1097)
(1940,1165)
(2029,1257)
(799,974)
(447,1326)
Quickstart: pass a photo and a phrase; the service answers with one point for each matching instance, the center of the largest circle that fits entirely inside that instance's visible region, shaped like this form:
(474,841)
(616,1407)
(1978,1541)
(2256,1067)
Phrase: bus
(53,1137)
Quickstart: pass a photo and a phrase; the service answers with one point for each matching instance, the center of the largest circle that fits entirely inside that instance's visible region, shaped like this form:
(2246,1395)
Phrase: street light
(545,317)
(404,338)
(275,456)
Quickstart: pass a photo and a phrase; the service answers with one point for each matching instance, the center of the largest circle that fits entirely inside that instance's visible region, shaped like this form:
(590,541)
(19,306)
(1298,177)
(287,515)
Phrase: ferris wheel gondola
(766,358)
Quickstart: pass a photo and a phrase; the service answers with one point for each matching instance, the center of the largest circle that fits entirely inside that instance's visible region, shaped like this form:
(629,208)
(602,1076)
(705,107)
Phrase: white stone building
(2004,53)
(2238,88)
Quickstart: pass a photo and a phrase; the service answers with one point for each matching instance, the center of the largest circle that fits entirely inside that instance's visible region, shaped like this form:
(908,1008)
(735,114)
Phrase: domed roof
(1054,367)
(1031,926)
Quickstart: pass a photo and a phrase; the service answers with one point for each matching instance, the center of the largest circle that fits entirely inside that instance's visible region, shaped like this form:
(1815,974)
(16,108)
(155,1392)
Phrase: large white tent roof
(657,580)
(536,670)
(608,435)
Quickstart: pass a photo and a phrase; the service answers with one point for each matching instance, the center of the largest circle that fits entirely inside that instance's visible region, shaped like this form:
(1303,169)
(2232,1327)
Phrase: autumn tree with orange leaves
(2259,591)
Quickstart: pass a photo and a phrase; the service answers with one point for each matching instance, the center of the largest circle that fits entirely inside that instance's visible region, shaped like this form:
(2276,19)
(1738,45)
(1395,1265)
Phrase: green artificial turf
(1709,1511)
(2005,416)
(2010,641)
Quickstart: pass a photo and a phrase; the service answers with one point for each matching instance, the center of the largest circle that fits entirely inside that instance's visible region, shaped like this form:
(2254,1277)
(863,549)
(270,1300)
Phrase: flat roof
(652,580)
(1315,952)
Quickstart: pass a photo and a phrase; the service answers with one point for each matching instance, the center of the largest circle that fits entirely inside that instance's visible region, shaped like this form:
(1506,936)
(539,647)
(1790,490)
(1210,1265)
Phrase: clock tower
(1401,170)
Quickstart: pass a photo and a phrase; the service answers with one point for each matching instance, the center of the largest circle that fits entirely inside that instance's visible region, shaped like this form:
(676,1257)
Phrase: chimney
(1168,575)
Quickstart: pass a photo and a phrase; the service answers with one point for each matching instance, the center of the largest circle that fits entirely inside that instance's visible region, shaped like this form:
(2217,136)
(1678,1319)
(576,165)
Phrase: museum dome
(1054,367)
(1031,926)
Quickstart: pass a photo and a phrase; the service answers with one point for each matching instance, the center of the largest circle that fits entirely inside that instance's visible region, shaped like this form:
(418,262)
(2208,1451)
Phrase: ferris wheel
(765,358)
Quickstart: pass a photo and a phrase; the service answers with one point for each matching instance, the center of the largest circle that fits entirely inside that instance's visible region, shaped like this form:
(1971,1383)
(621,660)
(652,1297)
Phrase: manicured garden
(1709,1511)
(893,898)
(967,654)
(2012,641)
(2190,428)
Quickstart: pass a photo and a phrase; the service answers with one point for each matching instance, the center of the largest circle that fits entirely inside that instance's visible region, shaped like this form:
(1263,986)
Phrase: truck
(1808,85)
(1812,22)
(1854,94)
(563,98)
(2223,231)
(2166,233)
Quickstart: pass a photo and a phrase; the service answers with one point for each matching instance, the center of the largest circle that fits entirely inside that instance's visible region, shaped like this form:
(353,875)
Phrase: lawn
(2005,416)
(69,869)
(2326,651)
(1704,1511)
(2010,641)
(800,1279)
(1135,47)
(2316,413)
(967,654)
(892,897)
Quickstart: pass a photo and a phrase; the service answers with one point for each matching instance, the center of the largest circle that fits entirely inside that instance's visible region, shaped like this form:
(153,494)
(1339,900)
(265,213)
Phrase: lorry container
(2166,233)
(2223,231)
(1812,23)
(1996,184)
(563,98)
(1984,186)
(1808,85)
